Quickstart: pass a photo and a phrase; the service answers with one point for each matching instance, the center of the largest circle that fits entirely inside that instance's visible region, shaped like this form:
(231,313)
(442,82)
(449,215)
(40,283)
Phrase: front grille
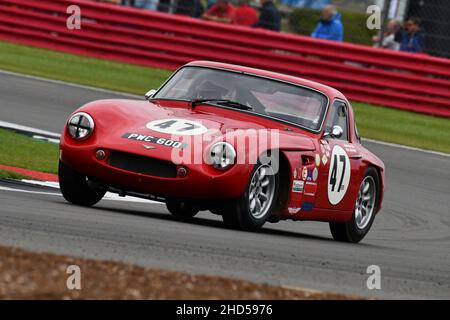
(143,165)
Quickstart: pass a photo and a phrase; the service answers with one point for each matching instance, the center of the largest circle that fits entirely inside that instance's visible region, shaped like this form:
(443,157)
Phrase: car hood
(116,120)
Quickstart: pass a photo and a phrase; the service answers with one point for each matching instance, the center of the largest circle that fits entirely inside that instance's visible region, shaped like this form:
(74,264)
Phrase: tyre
(256,204)
(364,213)
(75,188)
(181,208)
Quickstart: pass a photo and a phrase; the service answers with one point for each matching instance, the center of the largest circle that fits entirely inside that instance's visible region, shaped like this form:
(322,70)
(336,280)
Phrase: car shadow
(163,215)
(209,223)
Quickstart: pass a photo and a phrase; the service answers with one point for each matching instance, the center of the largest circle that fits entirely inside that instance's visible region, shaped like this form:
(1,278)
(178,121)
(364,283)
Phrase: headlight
(222,155)
(80,125)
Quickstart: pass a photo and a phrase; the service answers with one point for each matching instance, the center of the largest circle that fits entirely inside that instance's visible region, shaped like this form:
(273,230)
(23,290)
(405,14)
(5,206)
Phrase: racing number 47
(168,124)
(333,178)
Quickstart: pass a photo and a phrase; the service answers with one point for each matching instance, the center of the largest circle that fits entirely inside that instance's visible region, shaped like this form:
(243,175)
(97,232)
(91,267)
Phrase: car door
(339,161)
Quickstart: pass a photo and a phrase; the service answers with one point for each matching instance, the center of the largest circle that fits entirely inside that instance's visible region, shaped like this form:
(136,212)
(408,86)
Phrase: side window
(338,117)
(357,133)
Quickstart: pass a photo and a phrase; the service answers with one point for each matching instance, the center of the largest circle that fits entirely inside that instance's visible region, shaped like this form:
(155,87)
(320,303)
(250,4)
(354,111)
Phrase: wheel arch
(380,187)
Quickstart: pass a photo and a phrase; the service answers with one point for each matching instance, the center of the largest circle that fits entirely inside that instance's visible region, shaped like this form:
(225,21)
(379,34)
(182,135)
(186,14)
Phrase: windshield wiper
(226,102)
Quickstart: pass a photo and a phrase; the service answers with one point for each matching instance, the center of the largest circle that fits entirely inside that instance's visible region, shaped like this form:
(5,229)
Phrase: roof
(297,80)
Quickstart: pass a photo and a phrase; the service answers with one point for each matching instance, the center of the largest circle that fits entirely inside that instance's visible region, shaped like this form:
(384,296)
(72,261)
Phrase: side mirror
(150,94)
(336,133)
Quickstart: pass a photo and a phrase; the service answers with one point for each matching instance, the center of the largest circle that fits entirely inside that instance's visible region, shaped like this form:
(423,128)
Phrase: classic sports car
(250,145)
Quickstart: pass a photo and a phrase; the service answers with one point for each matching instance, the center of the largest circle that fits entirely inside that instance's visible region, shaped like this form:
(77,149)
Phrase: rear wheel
(364,213)
(181,208)
(255,206)
(75,188)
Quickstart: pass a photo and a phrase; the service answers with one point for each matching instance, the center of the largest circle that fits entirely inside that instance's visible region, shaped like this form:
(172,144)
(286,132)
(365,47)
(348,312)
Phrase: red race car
(247,144)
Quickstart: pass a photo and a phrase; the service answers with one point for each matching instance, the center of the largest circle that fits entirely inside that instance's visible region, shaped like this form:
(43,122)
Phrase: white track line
(34,131)
(108,195)
(400,146)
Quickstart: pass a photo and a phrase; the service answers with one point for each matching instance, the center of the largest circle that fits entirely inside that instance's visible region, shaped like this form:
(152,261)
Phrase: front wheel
(364,213)
(255,206)
(75,188)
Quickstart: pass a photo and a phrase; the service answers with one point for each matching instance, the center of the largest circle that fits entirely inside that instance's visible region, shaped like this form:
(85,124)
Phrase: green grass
(374,122)
(82,70)
(4,174)
(21,151)
(403,127)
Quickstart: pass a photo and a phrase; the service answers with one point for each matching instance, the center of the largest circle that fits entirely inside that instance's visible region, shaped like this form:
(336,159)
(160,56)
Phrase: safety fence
(414,82)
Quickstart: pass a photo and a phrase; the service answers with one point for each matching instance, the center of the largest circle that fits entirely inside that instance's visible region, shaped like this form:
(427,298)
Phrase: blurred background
(302,16)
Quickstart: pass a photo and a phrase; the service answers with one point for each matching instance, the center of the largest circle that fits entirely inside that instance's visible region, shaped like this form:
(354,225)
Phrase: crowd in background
(216,10)
(403,37)
(407,37)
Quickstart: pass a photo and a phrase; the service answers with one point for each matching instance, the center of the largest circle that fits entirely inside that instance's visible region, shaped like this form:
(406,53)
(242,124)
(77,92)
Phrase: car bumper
(201,181)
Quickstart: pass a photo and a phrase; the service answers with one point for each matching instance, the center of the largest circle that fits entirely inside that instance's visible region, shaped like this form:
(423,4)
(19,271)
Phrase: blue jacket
(411,43)
(330,30)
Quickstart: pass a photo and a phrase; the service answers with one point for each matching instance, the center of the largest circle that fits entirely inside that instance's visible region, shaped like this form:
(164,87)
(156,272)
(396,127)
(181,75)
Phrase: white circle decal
(177,126)
(338,175)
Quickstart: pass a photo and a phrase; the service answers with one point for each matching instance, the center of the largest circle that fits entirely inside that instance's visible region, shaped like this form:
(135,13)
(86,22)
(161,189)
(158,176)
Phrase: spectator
(192,8)
(222,11)
(270,17)
(330,25)
(389,36)
(410,36)
(244,14)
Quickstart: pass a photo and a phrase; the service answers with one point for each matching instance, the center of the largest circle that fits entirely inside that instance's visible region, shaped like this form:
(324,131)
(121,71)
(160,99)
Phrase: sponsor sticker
(294,210)
(297,186)
(309,177)
(307,206)
(315,174)
(156,140)
(310,189)
(324,159)
(304,173)
(317,160)
(295,173)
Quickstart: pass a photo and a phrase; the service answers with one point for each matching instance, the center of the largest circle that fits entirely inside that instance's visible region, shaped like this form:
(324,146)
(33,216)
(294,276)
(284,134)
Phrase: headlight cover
(80,125)
(222,155)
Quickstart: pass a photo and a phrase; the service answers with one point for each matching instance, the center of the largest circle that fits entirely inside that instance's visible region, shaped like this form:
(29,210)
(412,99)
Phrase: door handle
(356,156)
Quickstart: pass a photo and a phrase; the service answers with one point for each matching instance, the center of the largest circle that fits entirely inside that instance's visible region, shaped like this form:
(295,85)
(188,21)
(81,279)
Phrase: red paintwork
(113,118)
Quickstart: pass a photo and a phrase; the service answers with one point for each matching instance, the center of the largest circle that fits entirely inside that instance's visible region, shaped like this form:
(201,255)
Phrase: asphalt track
(409,241)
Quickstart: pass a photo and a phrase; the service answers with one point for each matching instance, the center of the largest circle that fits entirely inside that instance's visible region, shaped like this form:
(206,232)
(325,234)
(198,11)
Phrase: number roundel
(177,126)
(338,175)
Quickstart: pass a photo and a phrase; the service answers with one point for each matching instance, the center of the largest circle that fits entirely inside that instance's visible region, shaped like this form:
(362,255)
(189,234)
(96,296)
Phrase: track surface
(410,239)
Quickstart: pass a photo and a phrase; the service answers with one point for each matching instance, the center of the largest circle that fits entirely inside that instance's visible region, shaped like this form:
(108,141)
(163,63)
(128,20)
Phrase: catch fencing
(414,82)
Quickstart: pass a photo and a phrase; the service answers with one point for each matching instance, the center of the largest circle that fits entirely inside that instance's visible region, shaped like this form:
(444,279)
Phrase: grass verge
(21,151)
(403,127)
(374,122)
(5,174)
(81,70)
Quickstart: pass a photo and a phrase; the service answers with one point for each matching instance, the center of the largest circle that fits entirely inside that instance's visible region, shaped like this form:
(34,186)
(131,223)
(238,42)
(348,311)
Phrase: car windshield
(268,97)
